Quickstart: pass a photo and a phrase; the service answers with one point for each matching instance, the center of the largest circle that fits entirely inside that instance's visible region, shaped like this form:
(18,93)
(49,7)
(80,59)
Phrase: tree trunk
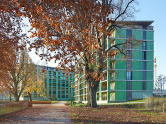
(91,96)
(10,95)
(30,98)
(16,98)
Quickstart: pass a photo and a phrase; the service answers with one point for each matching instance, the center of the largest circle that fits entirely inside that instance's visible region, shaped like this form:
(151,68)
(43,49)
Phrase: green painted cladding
(119,56)
(149,35)
(149,65)
(149,85)
(149,75)
(149,55)
(149,45)
(120,75)
(118,41)
(137,65)
(120,64)
(137,85)
(138,95)
(120,85)
(120,33)
(137,34)
(137,75)
(137,55)
(120,96)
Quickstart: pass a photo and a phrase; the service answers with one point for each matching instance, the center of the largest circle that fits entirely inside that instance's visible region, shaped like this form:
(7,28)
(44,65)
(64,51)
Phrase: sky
(155,10)
(149,10)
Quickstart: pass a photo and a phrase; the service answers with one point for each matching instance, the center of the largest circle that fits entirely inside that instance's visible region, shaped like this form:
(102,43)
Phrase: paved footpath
(56,113)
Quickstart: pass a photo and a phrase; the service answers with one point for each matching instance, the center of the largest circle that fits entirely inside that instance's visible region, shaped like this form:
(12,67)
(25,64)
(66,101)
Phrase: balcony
(104,78)
(104,88)
(112,77)
(104,98)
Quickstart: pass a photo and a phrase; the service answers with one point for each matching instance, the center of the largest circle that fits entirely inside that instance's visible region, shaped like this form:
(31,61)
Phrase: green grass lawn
(6,110)
(115,114)
(139,100)
(54,102)
(75,104)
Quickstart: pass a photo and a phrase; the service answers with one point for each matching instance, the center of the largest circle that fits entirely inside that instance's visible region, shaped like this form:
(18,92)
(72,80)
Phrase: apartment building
(124,79)
(57,84)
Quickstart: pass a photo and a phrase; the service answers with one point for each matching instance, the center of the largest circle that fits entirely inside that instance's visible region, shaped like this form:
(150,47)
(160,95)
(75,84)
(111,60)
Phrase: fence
(155,103)
(10,106)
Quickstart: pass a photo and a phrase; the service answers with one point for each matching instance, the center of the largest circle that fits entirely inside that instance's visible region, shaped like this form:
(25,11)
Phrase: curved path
(56,113)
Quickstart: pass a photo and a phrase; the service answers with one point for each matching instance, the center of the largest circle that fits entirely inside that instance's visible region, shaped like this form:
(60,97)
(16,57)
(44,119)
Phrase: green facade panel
(137,75)
(149,75)
(137,85)
(120,64)
(149,35)
(138,95)
(149,45)
(119,56)
(137,55)
(137,34)
(149,55)
(120,85)
(120,33)
(149,65)
(120,96)
(149,85)
(120,75)
(119,41)
(137,65)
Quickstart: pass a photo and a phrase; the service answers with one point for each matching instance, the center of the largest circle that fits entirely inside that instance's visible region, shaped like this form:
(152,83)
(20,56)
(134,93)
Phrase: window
(129,54)
(144,85)
(144,65)
(144,45)
(144,55)
(128,33)
(128,75)
(144,35)
(128,85)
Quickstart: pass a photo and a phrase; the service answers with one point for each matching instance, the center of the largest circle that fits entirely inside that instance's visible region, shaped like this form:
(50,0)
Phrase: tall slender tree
(22,72)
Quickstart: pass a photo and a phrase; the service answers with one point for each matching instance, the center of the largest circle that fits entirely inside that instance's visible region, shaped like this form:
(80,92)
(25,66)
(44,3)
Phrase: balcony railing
(112,78)
(105,78)
(104,88)
(104,98)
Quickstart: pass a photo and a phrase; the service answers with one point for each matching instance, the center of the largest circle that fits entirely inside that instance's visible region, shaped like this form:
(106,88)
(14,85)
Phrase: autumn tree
(41,89)
(11,38)
(35,84)
(21,72)
(70,29)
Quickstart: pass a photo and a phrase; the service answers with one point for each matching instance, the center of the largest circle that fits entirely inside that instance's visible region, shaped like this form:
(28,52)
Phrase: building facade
(57,84)
(155,73)
(125,79)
